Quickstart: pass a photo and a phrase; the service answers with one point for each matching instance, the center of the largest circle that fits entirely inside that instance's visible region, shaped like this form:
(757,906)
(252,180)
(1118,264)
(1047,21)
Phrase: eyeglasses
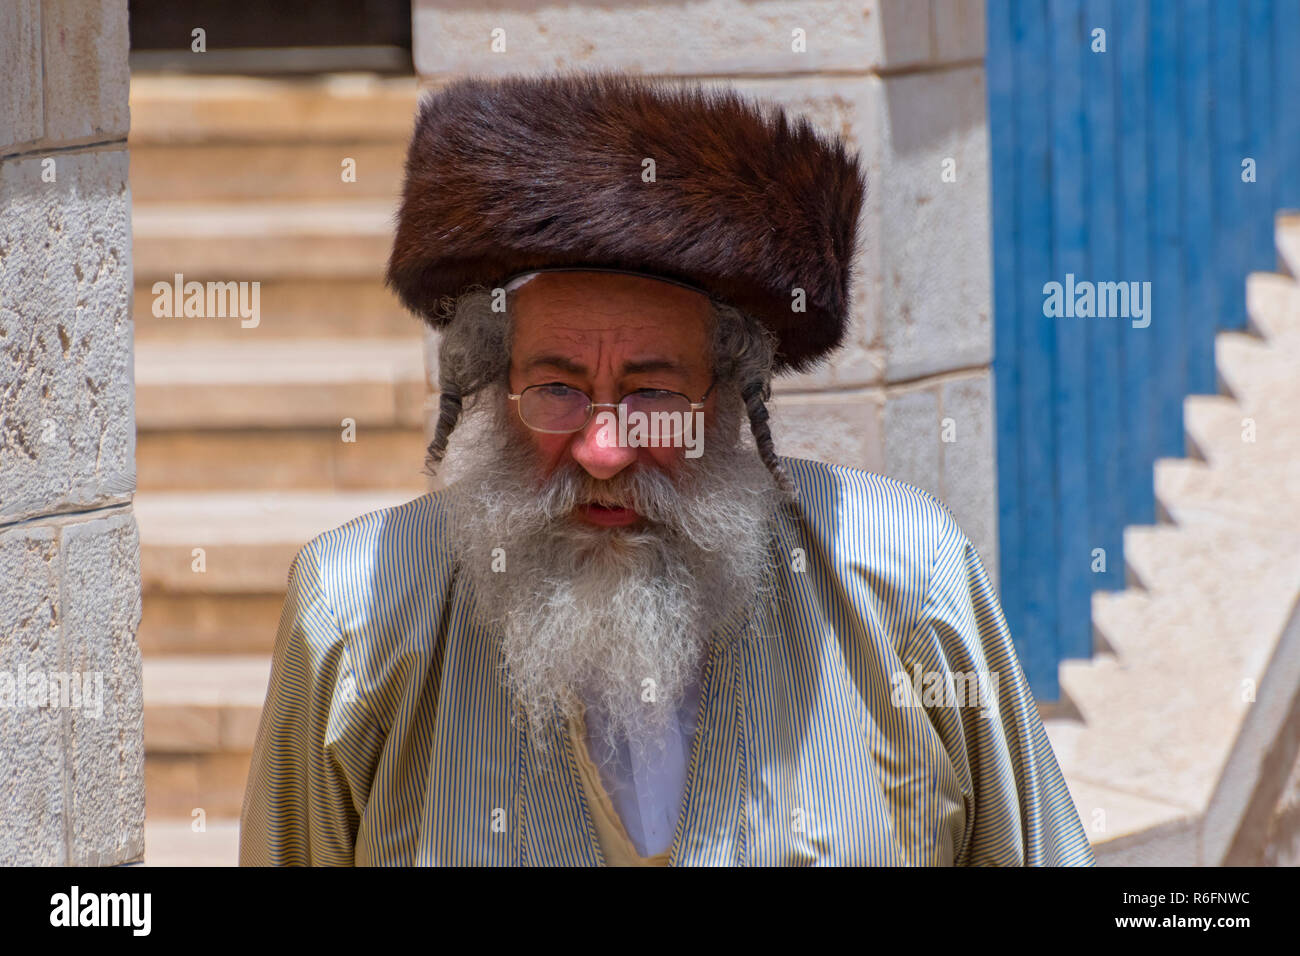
(560,410)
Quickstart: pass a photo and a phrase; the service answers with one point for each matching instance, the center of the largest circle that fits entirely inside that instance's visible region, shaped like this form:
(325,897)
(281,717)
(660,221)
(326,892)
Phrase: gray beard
(618,618)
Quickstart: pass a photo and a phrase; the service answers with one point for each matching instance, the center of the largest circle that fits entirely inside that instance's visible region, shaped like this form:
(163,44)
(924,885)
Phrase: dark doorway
(253,36)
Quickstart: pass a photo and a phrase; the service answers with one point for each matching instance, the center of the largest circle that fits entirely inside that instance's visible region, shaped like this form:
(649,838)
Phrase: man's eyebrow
(556,361)
(653,365)
(567,364)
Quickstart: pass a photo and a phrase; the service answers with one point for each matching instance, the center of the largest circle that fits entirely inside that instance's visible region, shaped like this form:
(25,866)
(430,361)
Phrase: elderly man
(627,632)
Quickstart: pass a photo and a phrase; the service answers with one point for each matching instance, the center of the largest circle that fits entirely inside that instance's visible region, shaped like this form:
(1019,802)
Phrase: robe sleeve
(1019,810)
(308,780)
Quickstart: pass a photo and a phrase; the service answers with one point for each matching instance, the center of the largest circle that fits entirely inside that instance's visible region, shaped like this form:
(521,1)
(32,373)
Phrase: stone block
(101,576)
(178,843)
(969,480)
(67,435)
(332,108)
(958,30)
(911,438)
(927,240)
(901,33)
(838,427)
(21,94)
(715,37)
(87,82)
(34,819)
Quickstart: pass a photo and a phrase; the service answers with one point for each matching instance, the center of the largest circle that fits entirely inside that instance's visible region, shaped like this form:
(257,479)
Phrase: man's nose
(596,447)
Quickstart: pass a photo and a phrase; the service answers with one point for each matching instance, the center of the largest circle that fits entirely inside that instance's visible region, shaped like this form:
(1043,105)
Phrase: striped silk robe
(387,738)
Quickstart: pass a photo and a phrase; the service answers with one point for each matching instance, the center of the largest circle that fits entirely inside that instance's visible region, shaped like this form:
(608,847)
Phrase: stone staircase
(1183,750)
(242,447)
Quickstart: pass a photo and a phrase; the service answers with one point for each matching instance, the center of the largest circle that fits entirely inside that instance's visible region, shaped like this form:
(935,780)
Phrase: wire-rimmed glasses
(557,409)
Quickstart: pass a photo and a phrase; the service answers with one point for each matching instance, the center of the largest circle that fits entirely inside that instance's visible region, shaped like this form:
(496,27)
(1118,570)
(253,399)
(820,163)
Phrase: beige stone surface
(217,109)
(1273,304)
(277,384)
(839,427)
(86,74)
(249,539)
(1258,375)
(709,37)
(21,90)
(1283,824)
(959,29)
(969,473)
(204,703)
(294,308)
(33,826)
(905,33)
(101,594)
(1110,815)
(274,172)
(1190,655)
(178,843)
(270,240)
(188,623)
(912,448)
(178,784)
(1253,482)
(71,768)
(184,459)
(927,240)
(1257,762)
(65,346)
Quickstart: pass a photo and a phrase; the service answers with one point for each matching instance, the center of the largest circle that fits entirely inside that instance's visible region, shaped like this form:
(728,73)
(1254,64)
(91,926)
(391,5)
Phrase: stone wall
(71,744)
(903,80)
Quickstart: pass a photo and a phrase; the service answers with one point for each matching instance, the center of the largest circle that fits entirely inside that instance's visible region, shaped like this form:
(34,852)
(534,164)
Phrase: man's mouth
(606,517)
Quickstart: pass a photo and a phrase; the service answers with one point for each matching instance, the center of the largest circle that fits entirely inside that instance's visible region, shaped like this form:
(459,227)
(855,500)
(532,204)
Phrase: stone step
(1251,471)
(260,241)
(289,309)
(380,459)
(1213,426)
(189,623)
(1187,655)
(240,109)
(178,843)
(279,384)
(1137,701)
(175,785)
(1287,234)
(248,540)
(243,172)
(1214,551)
(1252,371)
(1273,304)
(203,703)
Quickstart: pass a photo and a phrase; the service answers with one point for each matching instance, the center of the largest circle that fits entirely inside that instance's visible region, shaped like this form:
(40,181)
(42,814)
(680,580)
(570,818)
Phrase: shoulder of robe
(868,515)
(387,577)
(878,536)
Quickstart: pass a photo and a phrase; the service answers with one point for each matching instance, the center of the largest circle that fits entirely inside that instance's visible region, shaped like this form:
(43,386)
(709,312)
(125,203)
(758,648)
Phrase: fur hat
(522,174)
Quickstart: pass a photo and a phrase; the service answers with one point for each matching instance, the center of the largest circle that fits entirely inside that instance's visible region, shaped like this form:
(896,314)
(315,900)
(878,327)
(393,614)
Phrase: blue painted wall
(1119,166)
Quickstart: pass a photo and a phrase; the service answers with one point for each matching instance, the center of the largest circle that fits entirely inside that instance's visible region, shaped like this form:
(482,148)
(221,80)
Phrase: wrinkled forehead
(583,309)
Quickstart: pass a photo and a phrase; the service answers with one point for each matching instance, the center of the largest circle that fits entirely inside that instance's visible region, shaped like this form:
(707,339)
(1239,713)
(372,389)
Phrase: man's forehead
(575,363)
(575,311)
(614,294)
